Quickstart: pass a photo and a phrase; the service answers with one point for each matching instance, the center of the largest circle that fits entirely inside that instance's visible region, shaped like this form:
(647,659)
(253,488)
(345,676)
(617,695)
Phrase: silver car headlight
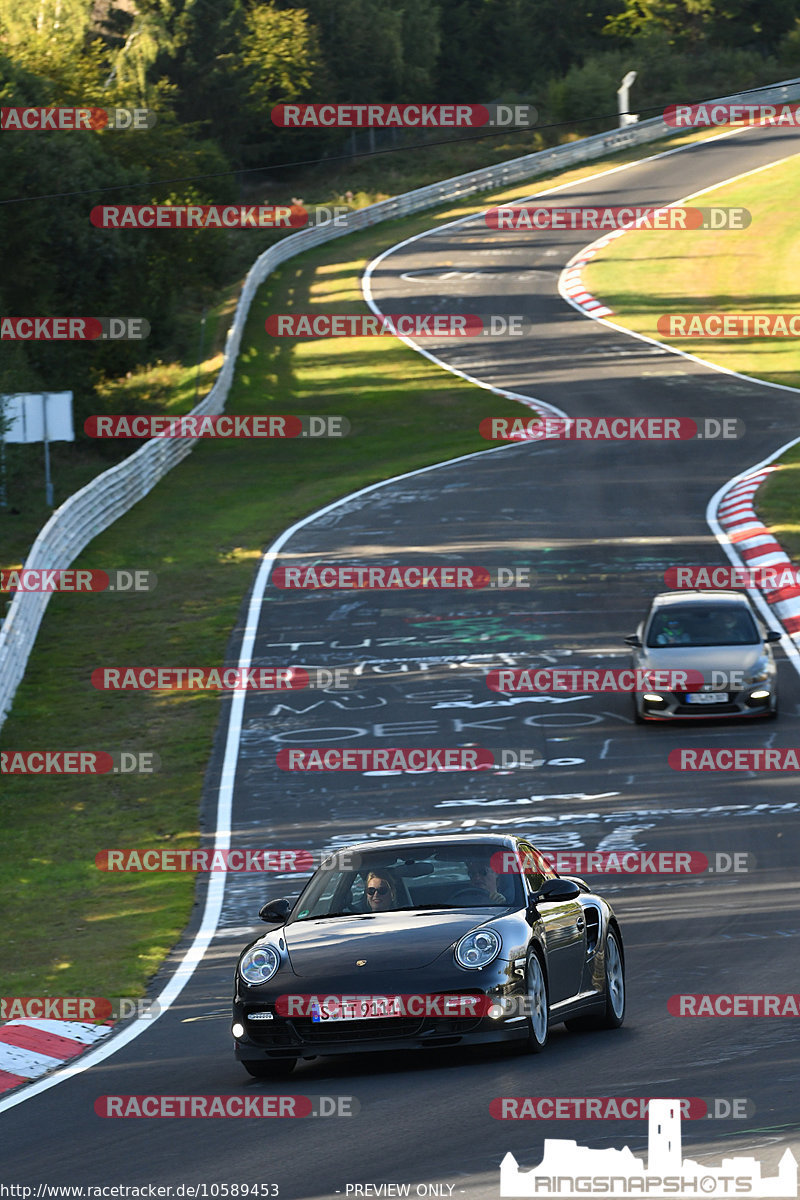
(259,964)
(478,949)
(762,672)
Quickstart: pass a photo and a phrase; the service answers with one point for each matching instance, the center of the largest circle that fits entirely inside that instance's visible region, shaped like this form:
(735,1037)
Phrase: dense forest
(212,70)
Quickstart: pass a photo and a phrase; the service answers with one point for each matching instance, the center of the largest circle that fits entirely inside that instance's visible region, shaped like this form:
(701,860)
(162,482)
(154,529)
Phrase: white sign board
(36,417)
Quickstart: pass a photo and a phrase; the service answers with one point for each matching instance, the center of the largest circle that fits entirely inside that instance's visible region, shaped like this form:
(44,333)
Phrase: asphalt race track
(597,524)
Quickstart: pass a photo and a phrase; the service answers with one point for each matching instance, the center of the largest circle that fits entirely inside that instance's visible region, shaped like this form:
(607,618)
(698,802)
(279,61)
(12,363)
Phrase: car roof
(429,841)
(667,599)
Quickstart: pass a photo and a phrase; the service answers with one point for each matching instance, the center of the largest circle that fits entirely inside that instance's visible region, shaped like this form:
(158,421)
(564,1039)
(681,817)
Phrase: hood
(702,658)
(397,941)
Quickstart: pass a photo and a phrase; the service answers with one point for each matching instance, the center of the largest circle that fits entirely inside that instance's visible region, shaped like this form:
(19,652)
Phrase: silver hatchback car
(717,634)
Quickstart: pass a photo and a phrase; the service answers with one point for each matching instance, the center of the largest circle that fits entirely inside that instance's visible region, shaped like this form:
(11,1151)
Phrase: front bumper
(300,1037)
(741,703)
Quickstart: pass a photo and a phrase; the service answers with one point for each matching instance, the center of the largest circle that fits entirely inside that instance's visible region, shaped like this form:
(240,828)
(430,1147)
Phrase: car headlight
(259,964)
(762,672)
(478,949)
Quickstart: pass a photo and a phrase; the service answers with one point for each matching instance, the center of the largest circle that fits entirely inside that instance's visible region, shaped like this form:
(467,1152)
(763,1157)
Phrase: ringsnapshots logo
(73,329)
(610,429)
(220,425)
(76,119)
(403,116)
(567,1169)
(691,116)
(544,218)
(75,580)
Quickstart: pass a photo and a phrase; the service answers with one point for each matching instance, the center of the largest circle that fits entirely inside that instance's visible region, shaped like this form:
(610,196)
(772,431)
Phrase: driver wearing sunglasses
(381,893)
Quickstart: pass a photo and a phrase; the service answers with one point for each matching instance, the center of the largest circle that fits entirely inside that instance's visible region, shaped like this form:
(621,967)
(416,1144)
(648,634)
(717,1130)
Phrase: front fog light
(760,694)
(237,1030)
(653,698)
(496,1011)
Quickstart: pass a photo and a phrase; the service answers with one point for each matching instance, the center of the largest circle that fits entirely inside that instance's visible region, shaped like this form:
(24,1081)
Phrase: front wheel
(615,985)
(269,1068)
(538,1009)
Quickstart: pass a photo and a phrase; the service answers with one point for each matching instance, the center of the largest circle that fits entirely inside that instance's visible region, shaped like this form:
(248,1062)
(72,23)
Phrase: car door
(564,933)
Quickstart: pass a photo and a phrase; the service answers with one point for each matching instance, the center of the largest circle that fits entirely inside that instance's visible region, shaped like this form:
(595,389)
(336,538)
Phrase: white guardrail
(108,496)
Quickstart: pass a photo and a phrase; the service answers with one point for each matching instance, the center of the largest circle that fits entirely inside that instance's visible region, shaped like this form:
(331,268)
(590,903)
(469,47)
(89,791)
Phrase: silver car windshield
(702,626)
(446,877)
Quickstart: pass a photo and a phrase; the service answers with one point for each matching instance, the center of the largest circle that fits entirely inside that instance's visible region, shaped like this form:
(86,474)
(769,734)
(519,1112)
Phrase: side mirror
(275,911)
(772,636)
(553,890)
(633,640)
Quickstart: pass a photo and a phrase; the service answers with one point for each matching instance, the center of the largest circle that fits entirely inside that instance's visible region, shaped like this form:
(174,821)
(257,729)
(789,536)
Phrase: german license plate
(362,1008)
(707,698)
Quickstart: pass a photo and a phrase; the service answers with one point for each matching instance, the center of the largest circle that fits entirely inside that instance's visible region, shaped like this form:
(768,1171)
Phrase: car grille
(299,1031)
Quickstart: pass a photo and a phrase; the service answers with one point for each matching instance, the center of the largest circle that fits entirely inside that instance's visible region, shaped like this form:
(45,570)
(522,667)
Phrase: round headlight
(478,949)
(259,964)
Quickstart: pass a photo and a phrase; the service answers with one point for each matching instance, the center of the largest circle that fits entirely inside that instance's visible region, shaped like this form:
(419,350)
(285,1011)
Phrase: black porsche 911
(426,942)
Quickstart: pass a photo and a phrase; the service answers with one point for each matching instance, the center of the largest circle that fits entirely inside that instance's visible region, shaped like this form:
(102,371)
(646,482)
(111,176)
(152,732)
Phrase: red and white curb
(755,545)
(30,1048)
(572,277)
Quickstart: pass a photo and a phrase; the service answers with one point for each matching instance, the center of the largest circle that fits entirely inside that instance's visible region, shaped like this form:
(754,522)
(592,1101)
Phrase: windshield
(702,626)
(444,876)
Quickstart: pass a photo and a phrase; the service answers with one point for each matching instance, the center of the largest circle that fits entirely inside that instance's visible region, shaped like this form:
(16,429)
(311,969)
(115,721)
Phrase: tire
(614,1012)
(275,1068)
(638,719)
(538,1015)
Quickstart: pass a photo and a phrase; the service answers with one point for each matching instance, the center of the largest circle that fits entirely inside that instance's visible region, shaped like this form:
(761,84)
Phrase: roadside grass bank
(648,274)
(202,530)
